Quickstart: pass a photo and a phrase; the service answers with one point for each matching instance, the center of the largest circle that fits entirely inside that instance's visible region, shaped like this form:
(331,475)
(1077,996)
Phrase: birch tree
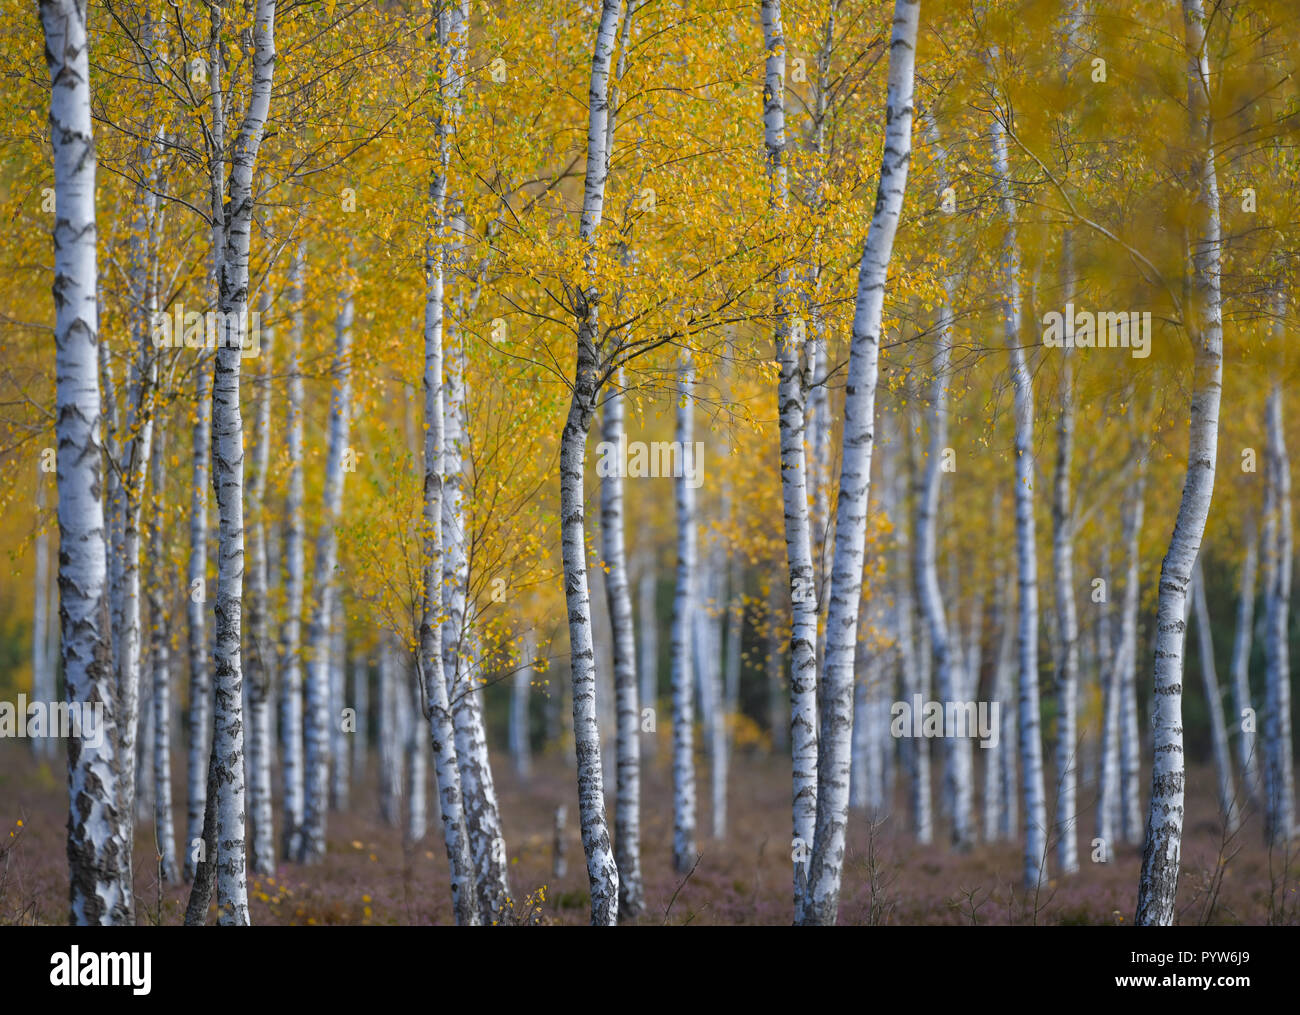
(1203,315)
(160,662)
(627,813)
(451,25)
(1031,745)
(1241,644)
(602,872)
(947,652)
(1279,780)
(822,901)
(228,470)
(259,653)
(318,722)
(683,636)
(97,894)
(291,700)
(1214,704)
(1130,805)
(791,398)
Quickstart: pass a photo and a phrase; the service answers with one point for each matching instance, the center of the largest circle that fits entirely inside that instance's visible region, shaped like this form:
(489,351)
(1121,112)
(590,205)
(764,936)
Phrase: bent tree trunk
(834,743)
(1204,313)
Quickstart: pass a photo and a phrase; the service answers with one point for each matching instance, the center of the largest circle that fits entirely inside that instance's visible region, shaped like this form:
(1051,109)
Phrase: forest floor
(371,877)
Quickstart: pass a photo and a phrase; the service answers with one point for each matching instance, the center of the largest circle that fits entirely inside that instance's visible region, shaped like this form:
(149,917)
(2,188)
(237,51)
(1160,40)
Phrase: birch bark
(1158,884)
(97,894)
(319,724)
(836,703)
(627,813)
(791,399)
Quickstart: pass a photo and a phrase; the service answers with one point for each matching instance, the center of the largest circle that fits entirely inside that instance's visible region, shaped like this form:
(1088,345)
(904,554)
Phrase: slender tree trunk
(291,703)
(460,668)
(390,768)
(361,707)
(259,650)
(1109,667)
(684,607)
(999,793)
(1214,705)
(1130,793)
(520,695)
(648,625)
(1279,781)
(160,657)
(1204,314)
(340,736)
(905,620)
(318,722)
(627,813)
(1031,744)
(791,396)
(602,872)
(417,763)
(836,702)
(947,652)
(452,26)
(1241,645)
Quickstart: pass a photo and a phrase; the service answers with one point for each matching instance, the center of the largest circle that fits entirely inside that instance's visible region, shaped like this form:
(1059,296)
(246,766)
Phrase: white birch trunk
(957,775)
(1109,666)
(1158,885)
(791,397)
(390,737)
(259,650)
(684,607)
(228,469)
(452,24)
(1241,645)
(1279,781)
(340,739)
(160,660)
(318,723)
(836,703)
(360,705)
(602,871)
(97,894)
(520,694)
(1031,744)
(1214,704)
(648,642)
(291,701)
(904,623)
(417,762)
(1130,798)
(627,812)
